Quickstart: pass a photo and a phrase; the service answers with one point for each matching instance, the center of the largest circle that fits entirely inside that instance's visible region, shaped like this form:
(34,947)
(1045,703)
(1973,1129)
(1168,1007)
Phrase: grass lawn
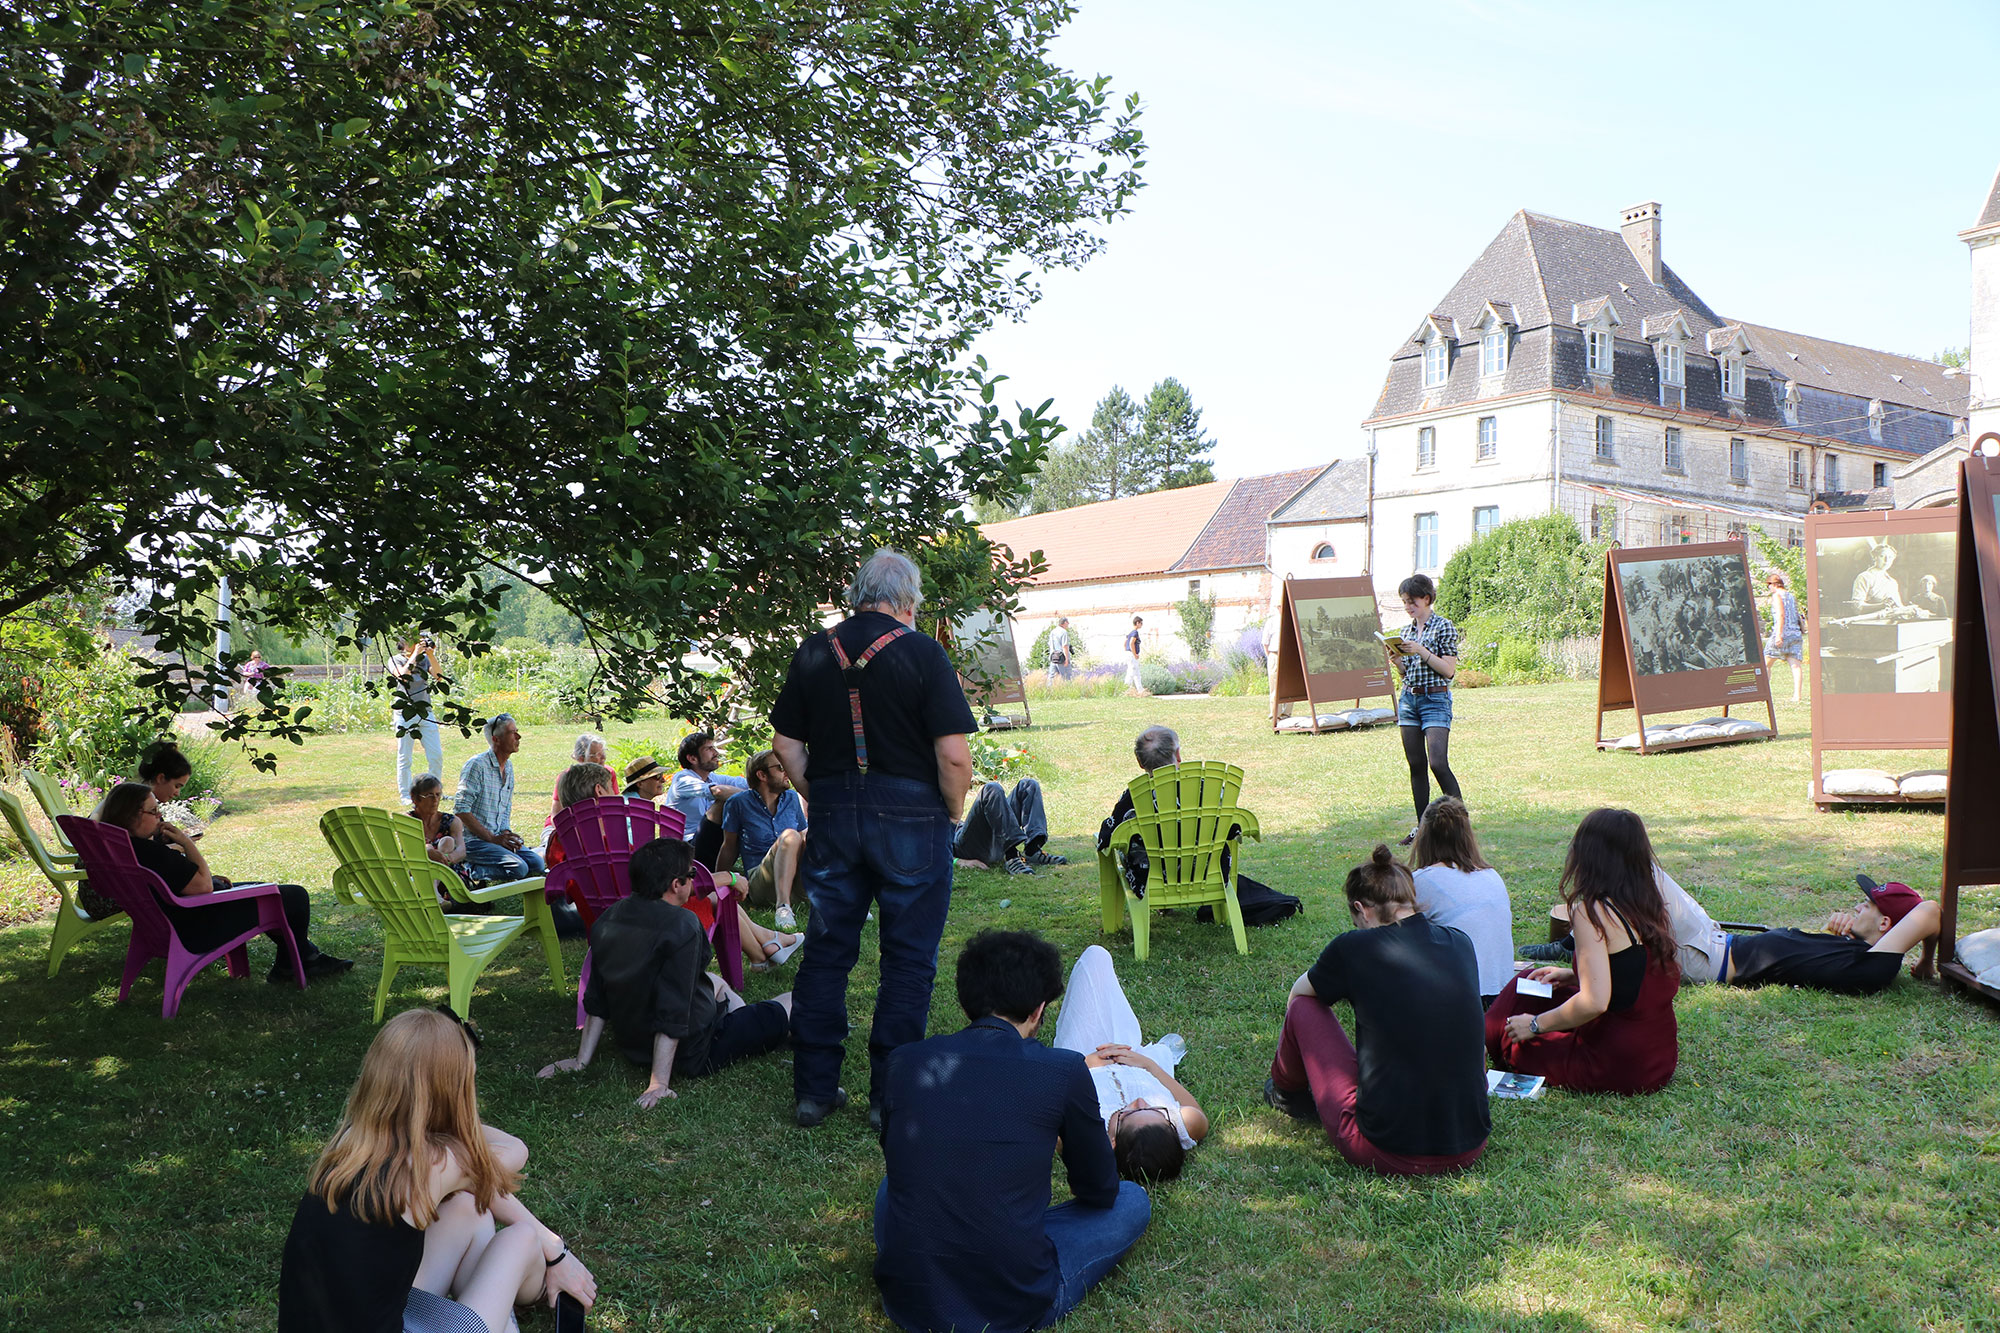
(1818,1162)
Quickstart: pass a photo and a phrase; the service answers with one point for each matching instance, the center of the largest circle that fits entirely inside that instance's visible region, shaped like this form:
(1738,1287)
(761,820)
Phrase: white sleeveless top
(1117,1085)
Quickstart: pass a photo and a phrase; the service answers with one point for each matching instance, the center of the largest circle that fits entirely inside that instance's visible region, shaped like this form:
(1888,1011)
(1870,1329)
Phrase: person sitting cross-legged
(1411,1100)
(1003,828)
(649,981)
(485,804)
(1152,1120)
(768,822)
(964,1235)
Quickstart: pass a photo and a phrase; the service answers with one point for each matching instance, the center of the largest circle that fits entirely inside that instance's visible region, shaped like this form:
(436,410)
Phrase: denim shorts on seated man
(1424,710)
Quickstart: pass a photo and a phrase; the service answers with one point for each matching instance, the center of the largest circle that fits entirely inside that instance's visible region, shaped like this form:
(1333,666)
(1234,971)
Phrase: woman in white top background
(1456,887)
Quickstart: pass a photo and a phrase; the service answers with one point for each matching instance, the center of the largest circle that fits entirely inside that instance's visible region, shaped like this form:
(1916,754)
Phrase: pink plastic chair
(598,838)
(106,853)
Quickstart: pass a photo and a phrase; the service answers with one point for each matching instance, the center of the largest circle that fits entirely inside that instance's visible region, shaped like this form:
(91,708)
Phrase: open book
(1514,1087)
(1396,644)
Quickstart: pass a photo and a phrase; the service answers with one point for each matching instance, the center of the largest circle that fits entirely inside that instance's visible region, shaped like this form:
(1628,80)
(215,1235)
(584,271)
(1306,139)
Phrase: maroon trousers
(1314,1052)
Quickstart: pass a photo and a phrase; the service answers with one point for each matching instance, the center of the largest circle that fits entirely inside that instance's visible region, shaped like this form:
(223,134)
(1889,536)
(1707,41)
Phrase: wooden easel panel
(1971,833)
(1323,651)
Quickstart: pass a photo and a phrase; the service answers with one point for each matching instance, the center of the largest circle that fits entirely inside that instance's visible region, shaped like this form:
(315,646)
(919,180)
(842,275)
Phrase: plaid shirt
(485,793)
(1441,637)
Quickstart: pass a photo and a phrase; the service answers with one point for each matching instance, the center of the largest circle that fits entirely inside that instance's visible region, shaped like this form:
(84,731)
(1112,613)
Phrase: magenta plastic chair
(598,837)
(106,853)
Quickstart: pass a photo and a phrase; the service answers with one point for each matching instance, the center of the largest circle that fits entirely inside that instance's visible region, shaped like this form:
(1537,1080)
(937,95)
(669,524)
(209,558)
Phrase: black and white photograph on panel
(1689,614)
(1338,634)
(1885,614)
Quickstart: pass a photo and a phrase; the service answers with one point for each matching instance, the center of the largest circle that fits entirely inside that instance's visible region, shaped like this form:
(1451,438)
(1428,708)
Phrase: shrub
(1180,677)
(1251,644)
(1538,573)
(1197,615)
(1000,760)
(1246,677)
(1105,681)
(1038,654)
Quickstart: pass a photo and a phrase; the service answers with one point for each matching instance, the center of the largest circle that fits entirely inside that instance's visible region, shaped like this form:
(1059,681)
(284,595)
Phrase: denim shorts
(1424,710)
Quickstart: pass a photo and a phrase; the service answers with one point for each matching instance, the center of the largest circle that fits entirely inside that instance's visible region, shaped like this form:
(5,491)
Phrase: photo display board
(1880,597)
(995,677)
(1971,833)
(1680,632)
(1327,649)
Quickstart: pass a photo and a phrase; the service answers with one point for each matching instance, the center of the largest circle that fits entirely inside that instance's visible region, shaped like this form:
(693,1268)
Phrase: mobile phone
(569,1313)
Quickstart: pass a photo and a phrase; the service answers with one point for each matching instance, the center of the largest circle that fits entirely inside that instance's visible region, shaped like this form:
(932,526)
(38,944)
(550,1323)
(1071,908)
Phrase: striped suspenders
(851,672)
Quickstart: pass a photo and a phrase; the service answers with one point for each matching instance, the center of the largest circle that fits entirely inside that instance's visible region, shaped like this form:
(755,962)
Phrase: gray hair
(581,750)
(495,723)
(889,577)
(579,782)
(1156,747)
(426,783)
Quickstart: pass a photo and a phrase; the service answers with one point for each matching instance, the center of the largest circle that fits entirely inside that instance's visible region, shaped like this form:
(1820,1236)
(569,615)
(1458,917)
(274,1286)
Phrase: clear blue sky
(1320,173)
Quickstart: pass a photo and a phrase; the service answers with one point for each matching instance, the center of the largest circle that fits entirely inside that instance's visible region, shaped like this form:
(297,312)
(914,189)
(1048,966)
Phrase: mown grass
(1819,1162)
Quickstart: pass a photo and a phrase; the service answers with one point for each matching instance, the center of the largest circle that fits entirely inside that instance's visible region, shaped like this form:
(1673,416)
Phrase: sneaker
(1017,865)
(1409,837)
(1297,1105)
(806,1112)
(1552,952)
(1044,858)
(787,922)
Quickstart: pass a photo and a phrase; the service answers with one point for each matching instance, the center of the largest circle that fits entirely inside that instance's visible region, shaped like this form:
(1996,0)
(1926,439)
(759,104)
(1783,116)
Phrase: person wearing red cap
(1860,953)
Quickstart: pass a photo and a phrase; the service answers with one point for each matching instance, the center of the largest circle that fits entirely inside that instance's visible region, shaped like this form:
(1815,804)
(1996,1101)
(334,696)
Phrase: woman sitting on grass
(1455,887)
(1609,1025)
(1412,1100)
(409,1219)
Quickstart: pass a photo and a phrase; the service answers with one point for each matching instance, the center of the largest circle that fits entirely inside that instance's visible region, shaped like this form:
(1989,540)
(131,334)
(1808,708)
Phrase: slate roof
(1125,538)
(1989,216)
(1845,368)
(1339,491)
(1234,537)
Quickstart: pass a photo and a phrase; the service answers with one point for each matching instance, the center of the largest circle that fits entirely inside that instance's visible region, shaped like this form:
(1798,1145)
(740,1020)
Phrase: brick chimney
(1641,225)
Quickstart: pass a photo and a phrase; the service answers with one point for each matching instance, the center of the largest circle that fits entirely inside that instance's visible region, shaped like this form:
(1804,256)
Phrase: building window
(1831,472)
(1798,469)
(1324,551)
(1795,539)
(1604,440)
(1738,533)
(1493,352)
(1732,377)
(1489,438)
(1485,518)
(1436,362)
(1739,461)
(1679,530)
(1427,541)
(1881,474)
(1603,522)
(1671,457)
(1673,363)
(1427,447)
(1194,587)
(1598,353)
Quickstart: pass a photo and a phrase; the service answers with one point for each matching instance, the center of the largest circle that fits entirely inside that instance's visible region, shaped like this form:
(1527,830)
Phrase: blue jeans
(495,862)
(876,841)
(1424,710)
(998,821)
(1090,1241)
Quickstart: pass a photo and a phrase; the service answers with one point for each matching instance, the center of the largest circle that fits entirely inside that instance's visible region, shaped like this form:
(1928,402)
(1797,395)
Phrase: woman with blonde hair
(1457,888)
(410,1221)
(1788,632)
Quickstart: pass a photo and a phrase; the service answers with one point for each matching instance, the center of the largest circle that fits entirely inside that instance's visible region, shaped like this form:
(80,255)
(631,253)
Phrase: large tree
(1130,449)
(662,306)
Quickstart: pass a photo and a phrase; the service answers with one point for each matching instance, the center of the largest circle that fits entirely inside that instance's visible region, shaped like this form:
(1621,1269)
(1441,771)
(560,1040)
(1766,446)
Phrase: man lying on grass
(649,980)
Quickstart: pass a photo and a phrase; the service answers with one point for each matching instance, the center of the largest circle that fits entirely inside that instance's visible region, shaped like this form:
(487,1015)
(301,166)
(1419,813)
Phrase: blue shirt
(758,828)
(485,793)
(687,792)
(982,1106)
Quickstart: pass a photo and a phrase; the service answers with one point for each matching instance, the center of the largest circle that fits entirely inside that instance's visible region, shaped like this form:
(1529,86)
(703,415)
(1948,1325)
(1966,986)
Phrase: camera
(426,641)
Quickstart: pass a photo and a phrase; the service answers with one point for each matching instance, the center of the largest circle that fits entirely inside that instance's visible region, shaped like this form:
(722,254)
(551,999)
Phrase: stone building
(1570,370)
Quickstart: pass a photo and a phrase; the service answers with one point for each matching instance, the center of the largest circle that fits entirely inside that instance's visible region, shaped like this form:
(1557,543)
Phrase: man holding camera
(410,673)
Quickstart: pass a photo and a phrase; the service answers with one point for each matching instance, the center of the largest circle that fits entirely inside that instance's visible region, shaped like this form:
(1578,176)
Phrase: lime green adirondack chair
(72,922)
(384,867)
(1186,815)
(49,796)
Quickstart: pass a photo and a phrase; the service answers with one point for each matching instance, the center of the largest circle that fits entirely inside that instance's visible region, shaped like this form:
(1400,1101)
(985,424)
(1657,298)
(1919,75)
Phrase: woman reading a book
(1411,1100)
(1607,1024)
(1426,653)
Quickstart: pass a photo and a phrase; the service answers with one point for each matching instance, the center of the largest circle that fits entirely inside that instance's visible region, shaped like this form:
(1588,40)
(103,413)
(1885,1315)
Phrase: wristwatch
(1534,1025)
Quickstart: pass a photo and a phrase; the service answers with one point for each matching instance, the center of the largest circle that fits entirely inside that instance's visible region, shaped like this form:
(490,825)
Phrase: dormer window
(1875,420)
(1437,362)
(1669,335)
(1673,363)
(1732,377)
(1493,352)
(1790,406)
(1728,346)
(1597,356)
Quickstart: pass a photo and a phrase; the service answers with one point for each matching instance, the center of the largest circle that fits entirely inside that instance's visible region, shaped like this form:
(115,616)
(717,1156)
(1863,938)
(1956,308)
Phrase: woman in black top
(176,859)
(1412,1099)
(411,1224)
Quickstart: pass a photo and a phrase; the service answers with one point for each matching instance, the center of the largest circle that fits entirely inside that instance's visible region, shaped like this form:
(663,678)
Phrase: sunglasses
(464,1024)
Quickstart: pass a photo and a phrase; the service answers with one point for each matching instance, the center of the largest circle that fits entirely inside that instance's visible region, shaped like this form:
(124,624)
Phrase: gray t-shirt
(414,686)
(1475,902)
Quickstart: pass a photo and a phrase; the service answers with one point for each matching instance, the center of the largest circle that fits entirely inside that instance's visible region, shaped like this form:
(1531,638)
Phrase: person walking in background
(485,804)
(871,727)
(1059,651)
(1788,631)
(1423,708)
(410,674)
(1132,646)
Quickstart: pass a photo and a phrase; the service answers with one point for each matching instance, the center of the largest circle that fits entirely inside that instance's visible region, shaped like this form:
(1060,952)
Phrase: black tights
(1430,747)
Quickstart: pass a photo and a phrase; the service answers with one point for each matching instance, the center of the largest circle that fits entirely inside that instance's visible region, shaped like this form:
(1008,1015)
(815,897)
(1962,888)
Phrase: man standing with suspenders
(871,728)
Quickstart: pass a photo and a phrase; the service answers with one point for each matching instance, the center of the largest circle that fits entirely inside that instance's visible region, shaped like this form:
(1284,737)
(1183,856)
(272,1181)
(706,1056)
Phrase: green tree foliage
(664,308)
(1538,575)
(1197,615)
(1129,449)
